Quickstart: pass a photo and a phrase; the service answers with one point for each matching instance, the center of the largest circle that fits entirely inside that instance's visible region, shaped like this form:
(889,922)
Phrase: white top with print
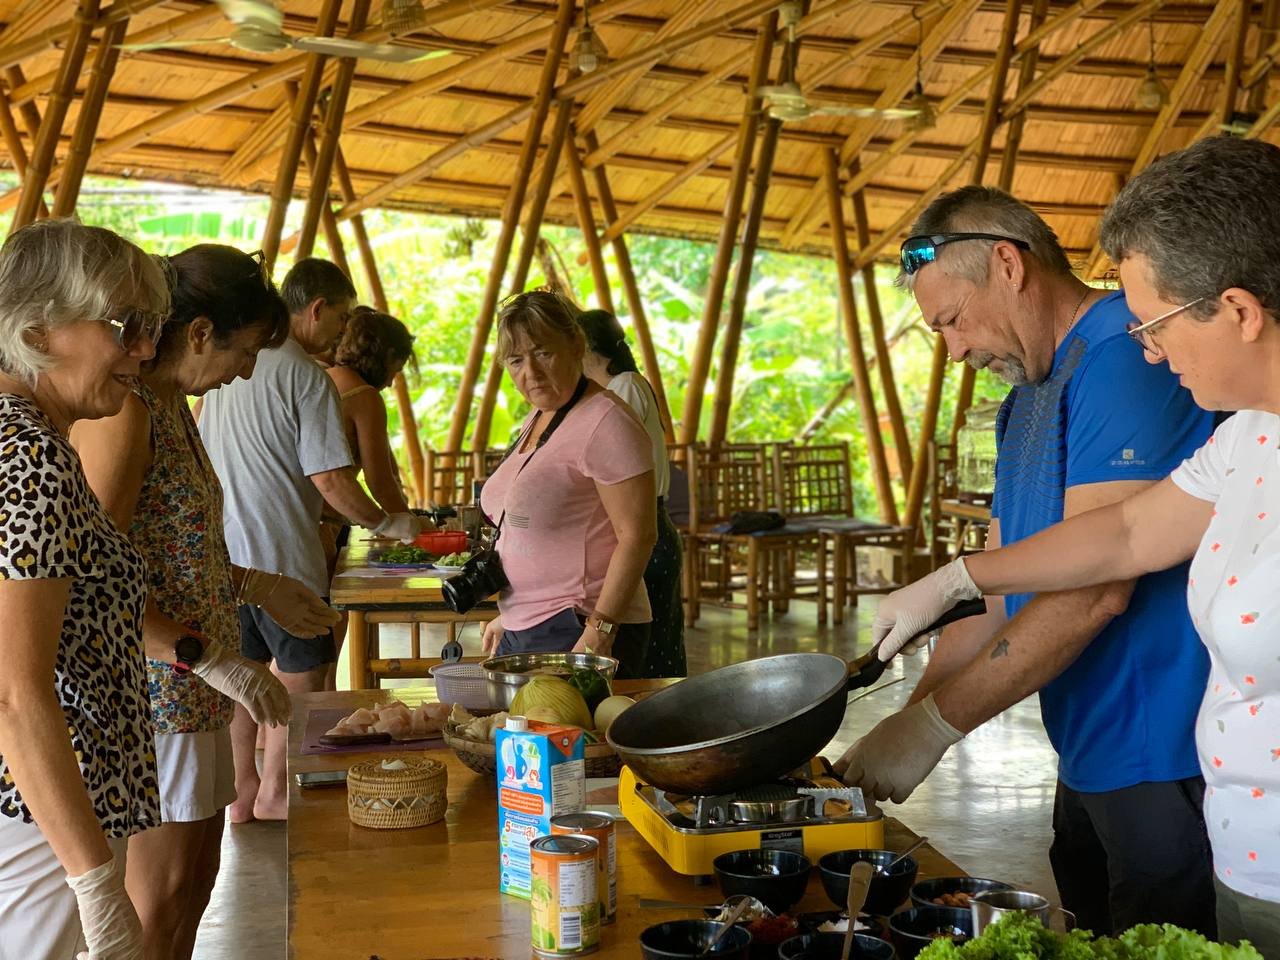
(1234,598)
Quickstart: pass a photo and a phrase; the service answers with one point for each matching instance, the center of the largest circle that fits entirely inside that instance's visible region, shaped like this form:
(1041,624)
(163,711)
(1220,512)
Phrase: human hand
(904,615)
(111,927)
(399,526)
(245,681)
(492,636)
(899,752)
(288,602)
(591,642)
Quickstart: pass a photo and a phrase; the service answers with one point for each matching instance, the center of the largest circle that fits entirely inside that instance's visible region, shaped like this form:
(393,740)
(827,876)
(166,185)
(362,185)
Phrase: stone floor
(987,806)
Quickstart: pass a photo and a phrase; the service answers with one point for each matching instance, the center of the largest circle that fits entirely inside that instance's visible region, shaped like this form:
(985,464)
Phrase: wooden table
(370,601)
(432,892)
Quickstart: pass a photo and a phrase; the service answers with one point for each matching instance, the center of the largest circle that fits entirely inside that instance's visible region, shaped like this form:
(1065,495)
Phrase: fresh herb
(454,559)
(592,685)
(403,554)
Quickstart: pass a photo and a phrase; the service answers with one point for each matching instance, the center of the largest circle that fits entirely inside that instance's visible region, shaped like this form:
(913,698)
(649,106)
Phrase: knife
(867,669)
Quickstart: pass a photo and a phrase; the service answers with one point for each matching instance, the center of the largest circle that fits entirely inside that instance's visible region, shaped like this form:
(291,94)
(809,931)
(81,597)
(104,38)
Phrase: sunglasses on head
(133,325)
(922,249)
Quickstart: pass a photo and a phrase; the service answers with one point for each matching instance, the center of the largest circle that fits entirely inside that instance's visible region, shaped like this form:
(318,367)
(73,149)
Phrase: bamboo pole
(1254,78)
(258,141)
(742,283)
(524,260)
(95,95)
(55,113)
(928,426)
(28,111)
(853,335)
(19,50)
(1026,73)
(332,235)
(587,224)
(331,133)
(888,380)
(1234,63)
(635,304)
(700,363)
(824,414)
(538,109)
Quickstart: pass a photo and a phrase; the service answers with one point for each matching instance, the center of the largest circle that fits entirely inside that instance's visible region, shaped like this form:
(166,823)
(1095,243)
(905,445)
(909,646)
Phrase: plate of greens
(402,556)
(452,562)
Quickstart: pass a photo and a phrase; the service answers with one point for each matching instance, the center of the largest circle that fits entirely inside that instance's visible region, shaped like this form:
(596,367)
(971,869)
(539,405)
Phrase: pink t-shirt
(557,540)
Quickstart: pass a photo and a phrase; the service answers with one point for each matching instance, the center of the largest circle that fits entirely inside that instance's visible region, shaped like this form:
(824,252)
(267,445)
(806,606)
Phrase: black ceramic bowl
(776,878)
(924,892)
(915,929)
(827,946)
(685,939)
(885,894)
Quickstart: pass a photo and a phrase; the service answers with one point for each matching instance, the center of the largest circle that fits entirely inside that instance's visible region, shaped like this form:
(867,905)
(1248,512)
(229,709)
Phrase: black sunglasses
(920,250)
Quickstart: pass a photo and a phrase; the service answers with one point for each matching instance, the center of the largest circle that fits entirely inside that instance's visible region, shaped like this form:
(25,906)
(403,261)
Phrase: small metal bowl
(504,676)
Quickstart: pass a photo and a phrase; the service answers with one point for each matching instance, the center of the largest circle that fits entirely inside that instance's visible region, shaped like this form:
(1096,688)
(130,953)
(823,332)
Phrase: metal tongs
(868,668)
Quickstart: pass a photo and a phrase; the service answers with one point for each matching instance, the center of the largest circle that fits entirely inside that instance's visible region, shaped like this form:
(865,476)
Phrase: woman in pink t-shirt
(575,498)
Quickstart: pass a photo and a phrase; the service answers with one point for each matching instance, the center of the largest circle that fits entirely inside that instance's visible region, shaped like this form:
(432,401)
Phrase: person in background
(277,444)
(609,363)
(374,348)
(1196,237)
(80,311)
(1118,665)
(148,467)
(574,498)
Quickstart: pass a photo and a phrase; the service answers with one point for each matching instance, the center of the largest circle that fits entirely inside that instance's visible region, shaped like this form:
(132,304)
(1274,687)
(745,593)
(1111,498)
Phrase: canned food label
(566,915)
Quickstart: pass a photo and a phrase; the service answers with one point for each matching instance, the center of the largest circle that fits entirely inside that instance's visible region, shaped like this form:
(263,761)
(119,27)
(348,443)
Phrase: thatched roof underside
(1083,133)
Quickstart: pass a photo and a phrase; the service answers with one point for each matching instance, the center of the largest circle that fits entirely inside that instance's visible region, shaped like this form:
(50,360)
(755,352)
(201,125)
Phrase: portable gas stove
(799,813)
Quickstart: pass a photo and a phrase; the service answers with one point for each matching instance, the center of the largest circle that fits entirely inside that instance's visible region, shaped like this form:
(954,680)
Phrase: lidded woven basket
(393,794)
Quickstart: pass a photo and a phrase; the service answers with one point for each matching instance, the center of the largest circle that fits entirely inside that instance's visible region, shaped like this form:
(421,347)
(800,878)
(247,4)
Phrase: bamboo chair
(449,477)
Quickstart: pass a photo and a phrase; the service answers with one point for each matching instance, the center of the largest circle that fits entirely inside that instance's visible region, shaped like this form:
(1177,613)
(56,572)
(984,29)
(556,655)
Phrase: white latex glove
(904,615)
(111,927)
(899,752)
(246,682)
(288,602)
(399,526)
(492,636)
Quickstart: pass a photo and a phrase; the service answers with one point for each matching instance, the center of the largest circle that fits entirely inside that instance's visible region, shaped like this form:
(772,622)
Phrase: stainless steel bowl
(505,675)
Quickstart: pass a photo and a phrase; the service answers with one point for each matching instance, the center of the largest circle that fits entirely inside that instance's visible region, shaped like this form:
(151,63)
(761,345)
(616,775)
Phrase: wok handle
(869,666)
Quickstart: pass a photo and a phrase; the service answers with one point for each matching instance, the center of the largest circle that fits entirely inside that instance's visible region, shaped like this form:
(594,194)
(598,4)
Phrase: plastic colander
(462,683)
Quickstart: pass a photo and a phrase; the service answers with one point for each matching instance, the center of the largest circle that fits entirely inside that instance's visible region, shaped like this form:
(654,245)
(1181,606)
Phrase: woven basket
(412,795)
(481,756)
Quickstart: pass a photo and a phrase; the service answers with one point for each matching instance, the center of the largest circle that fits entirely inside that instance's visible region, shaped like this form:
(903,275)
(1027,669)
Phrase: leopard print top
(52,526)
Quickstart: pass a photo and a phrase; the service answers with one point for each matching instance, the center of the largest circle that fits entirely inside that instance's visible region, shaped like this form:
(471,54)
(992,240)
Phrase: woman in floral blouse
(150,471)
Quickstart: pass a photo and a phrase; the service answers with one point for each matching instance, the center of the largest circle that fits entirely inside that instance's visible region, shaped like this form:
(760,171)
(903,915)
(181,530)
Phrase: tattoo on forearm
(1001,649)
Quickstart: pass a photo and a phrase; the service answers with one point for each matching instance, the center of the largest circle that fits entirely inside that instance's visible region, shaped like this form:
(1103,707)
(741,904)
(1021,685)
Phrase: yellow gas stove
(690,832)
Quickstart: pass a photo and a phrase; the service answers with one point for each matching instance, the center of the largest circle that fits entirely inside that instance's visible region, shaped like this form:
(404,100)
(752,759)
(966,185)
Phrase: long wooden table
(370,601)
(432,892)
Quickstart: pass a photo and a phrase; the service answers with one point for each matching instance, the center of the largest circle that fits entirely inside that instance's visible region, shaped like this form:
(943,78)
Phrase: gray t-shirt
(266,437)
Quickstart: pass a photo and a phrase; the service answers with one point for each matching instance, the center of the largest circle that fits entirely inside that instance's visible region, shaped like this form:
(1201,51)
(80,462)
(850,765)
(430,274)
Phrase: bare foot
(241,811)
(271,808)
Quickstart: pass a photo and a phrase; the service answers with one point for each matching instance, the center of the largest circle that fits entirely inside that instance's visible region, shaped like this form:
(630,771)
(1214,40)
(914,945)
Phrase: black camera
(480,578)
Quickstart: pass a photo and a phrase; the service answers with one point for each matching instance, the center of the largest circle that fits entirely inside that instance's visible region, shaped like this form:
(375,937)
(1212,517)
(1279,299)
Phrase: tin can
(591,823)
(564,905)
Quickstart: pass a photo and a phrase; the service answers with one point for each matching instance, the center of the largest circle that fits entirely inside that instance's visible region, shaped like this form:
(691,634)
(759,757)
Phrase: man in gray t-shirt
(279,448)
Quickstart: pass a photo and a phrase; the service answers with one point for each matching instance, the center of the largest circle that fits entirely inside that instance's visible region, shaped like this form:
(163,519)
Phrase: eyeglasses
(133,325)
(920,250)
(1141,332)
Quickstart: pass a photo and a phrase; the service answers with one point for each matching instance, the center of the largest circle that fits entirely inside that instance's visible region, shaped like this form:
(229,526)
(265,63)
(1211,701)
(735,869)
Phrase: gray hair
(1207,218)
(986,210)
(54,272)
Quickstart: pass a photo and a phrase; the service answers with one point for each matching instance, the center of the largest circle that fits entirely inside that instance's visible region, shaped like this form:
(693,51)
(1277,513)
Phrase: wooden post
(303,107)
(524,259)
(700,363)
(635,305)
(331,133)
(95,95)
(510,216)
(1254,79)
(1026,74)
(928,424)
(55,112)
(587,224)
(853,334)
(337,249)
(742,283)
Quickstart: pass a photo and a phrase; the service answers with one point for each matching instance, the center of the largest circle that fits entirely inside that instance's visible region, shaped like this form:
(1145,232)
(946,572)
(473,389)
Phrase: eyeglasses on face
(133,324)
(922,249)
(1141,332)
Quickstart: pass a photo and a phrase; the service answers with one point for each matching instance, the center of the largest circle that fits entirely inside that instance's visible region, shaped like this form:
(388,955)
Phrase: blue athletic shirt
(1124,712)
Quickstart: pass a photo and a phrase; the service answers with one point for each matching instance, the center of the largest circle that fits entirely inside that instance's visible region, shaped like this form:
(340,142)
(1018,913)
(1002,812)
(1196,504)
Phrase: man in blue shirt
(1119,667)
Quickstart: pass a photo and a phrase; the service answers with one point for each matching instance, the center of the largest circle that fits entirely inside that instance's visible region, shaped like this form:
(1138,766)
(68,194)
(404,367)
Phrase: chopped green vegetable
(592,685)
(454,559)
(405,554)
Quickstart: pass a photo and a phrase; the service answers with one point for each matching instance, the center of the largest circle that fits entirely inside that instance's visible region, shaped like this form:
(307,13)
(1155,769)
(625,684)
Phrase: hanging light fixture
(1152,94)
(924,116)
(403,16)
(588,51)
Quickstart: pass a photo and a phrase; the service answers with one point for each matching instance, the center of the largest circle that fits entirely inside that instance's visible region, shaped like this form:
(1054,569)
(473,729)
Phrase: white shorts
(197,775)
(39,919)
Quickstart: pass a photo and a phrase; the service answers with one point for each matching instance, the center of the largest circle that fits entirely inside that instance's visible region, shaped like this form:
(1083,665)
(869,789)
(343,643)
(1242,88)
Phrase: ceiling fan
(787,102)
(259,28)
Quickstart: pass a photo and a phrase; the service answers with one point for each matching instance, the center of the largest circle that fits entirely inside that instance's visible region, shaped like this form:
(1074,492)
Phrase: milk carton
(541,775)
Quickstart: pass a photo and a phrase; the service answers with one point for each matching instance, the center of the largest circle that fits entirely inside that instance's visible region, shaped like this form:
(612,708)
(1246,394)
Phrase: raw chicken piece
(437,711)
(361,716)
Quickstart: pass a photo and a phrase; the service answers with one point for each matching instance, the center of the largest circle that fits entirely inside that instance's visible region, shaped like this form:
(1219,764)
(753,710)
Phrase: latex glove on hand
(399,526)
(111,927)
(245,681)
(899,752)
(905,615)
(288,602)
(492,636)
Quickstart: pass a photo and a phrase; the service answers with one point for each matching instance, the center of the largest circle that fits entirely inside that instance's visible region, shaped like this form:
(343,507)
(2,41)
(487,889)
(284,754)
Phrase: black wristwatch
(187,652)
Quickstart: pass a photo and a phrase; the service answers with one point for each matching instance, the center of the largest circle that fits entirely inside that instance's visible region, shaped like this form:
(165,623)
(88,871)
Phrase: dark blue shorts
(264,640)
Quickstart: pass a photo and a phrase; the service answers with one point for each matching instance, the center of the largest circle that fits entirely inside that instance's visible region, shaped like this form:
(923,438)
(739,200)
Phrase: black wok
(746,723)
